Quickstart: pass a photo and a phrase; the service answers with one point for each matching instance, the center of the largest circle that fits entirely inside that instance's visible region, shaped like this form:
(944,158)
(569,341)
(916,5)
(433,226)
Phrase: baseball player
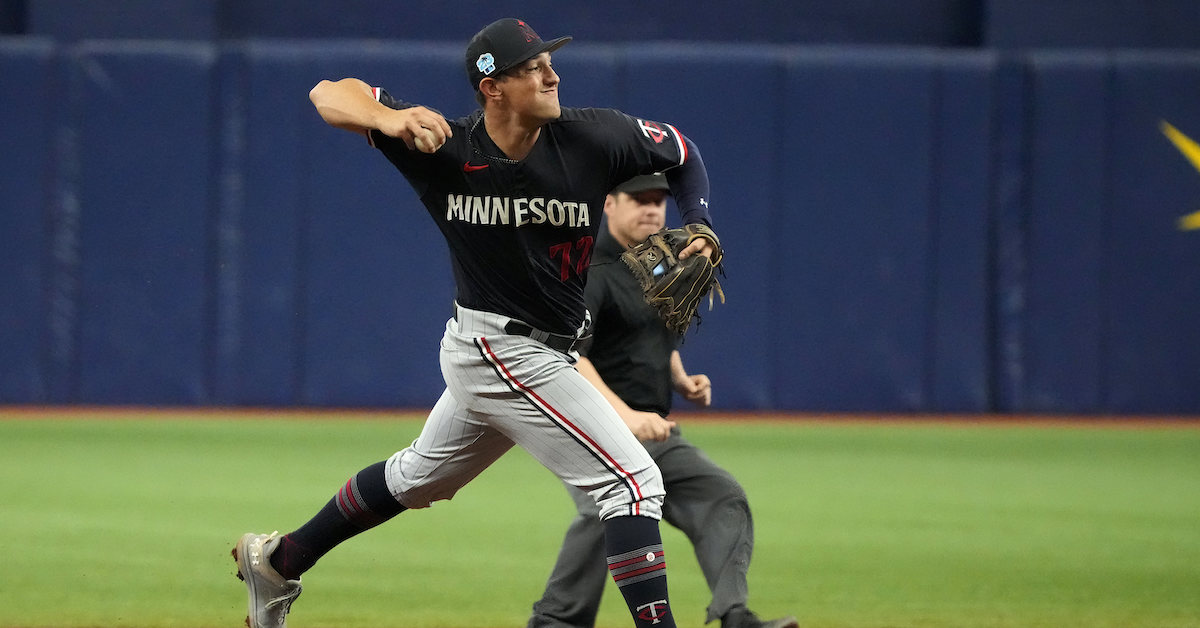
(517,189)
(634,360)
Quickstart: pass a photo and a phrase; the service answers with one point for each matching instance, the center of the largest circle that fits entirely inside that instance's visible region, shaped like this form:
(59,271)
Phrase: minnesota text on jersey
(499,210)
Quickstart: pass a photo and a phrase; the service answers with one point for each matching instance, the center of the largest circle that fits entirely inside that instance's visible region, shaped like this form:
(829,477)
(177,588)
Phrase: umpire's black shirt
(630,347)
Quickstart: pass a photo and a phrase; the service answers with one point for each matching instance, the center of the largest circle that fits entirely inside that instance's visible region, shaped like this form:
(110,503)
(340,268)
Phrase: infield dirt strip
(116,413)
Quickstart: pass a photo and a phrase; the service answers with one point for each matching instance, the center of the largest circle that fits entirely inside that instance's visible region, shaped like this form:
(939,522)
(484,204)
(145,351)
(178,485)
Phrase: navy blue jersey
(521,233)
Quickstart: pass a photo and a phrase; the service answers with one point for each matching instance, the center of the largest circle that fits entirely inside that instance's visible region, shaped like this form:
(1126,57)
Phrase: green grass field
(111,523)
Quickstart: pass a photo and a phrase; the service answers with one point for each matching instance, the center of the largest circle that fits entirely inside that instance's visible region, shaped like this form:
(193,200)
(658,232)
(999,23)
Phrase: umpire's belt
(558,342)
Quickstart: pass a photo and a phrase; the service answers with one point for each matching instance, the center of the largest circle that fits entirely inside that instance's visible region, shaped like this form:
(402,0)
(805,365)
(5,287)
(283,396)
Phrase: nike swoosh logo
(470,167)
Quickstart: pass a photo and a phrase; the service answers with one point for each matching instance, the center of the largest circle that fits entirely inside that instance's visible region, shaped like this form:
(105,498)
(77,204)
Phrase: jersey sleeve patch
(660,132)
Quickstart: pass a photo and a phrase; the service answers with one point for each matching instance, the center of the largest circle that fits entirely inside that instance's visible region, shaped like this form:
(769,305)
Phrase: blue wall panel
(1152,266)
(145,145)
(908,230)
(145,19)
(1108,24)
(592,75)
(27,133)
(1068,201)
(12,17)
(378,282)
(1008,223)
(738,139)
(854,231)
(960,347)
(922,22)
(263,263)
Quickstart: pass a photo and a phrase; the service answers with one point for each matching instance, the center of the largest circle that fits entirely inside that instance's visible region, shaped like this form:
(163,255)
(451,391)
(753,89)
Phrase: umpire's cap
(505,44)
(643,183)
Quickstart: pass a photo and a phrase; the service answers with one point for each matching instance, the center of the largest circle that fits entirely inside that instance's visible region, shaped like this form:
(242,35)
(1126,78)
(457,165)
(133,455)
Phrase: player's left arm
(690,188)
(645,147)
(644,425)
(695,388)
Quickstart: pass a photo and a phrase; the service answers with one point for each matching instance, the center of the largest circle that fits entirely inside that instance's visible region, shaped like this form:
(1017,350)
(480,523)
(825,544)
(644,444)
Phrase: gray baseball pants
(504,389)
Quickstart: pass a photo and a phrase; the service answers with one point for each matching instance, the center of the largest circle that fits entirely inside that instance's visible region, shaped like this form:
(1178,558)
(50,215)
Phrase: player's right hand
(420,128)
(647,425)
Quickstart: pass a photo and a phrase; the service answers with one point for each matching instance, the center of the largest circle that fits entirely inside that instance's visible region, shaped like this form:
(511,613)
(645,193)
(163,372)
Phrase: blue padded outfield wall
(908,229)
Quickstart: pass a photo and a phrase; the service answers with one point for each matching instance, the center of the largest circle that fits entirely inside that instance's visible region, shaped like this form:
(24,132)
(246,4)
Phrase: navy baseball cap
(643,183)
(502,45)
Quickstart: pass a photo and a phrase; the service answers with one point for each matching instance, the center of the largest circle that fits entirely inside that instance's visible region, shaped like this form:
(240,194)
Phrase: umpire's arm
(644,425)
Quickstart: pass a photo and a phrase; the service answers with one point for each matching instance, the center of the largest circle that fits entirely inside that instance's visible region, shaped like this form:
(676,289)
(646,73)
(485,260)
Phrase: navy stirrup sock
(637,565)
(363,503)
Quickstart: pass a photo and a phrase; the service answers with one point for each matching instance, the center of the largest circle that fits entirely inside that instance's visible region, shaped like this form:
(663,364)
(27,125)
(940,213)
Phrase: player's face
(532,89)
(634,217)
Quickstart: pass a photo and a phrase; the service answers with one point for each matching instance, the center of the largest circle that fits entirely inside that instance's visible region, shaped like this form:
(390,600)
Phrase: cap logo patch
(486,63)
(530,36)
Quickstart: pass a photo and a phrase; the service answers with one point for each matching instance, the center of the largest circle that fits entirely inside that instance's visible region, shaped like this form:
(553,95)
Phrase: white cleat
(271,595)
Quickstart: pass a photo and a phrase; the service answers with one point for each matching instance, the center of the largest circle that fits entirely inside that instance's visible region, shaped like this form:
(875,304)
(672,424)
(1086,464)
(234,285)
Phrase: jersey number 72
(581,257)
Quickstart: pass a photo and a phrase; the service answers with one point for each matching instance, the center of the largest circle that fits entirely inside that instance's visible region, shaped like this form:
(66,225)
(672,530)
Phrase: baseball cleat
(740,617)
(271,595)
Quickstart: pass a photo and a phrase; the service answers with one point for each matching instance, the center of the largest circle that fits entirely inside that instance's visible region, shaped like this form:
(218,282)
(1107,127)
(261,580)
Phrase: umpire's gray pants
(703,500)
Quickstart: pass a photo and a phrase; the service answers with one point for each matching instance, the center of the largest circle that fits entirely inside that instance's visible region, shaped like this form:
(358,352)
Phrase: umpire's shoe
(741,617)
(271,595)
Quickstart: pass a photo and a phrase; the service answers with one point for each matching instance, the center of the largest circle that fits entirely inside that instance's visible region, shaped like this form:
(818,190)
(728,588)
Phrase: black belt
(558,342)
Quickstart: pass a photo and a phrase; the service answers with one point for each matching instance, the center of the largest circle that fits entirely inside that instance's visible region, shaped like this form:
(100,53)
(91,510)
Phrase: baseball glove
(673,287)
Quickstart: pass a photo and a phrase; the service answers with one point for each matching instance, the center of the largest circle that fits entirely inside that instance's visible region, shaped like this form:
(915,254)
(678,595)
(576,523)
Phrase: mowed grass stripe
(860,523)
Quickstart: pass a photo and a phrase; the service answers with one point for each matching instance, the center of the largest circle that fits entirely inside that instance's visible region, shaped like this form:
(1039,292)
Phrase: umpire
(633,359)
